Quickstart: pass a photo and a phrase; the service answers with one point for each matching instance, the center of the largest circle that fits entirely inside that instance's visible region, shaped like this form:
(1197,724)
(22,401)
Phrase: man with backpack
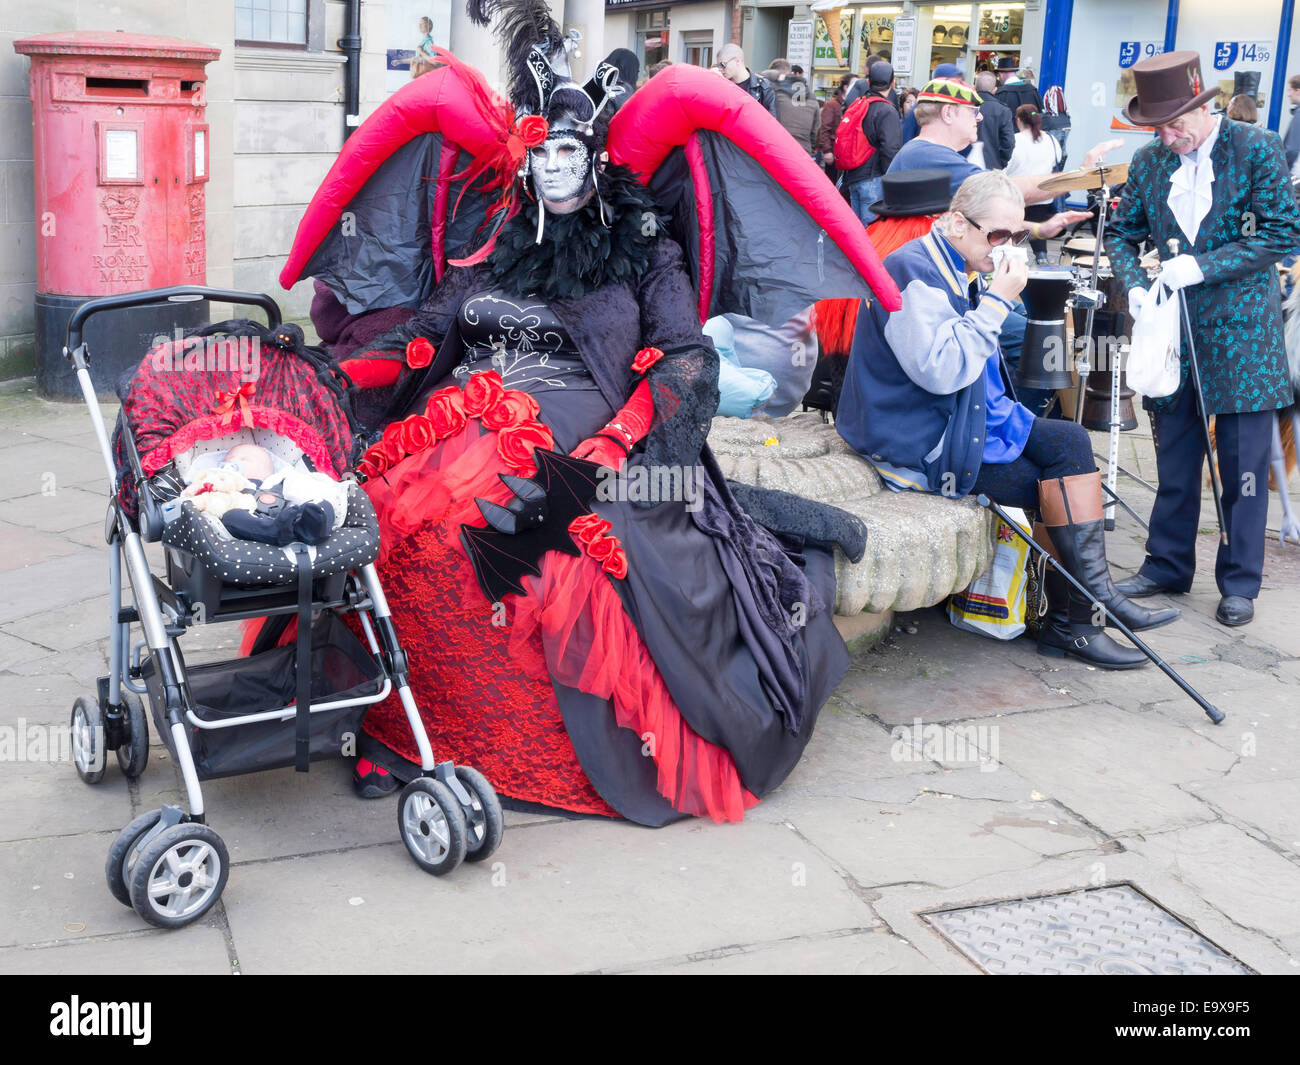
(868,138)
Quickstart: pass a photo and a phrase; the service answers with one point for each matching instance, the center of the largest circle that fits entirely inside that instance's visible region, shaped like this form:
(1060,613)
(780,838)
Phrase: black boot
(1072,511)
(1068,629)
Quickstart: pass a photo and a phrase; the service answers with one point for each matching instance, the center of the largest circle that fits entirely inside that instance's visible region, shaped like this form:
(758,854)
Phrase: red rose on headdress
(532,130)
(514,409)
(516,445)
(645,358)
(368,469)
(616,564)
(417,434)
(602,549)
(446,411)
(419,353)
(483,391)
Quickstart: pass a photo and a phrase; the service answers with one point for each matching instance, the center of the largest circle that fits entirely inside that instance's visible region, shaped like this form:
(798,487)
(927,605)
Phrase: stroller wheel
(88,739)
(432,825)
(123,854)
(483,816)
(133,754)
(178,875)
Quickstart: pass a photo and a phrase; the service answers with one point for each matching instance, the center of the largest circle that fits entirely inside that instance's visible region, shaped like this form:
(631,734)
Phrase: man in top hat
(1220,189)
(1014,90)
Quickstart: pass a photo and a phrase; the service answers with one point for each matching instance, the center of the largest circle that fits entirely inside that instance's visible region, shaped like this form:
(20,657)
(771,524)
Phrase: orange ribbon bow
(226,405)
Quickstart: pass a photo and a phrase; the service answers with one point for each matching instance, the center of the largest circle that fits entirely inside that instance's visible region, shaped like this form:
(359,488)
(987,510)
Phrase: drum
(1111,329)
(1044,358)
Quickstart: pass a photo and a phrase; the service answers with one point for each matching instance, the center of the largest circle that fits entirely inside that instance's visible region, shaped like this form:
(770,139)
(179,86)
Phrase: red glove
(612,444)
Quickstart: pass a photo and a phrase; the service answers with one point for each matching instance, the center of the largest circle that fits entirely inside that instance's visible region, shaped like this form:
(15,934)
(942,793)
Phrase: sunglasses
(998,237)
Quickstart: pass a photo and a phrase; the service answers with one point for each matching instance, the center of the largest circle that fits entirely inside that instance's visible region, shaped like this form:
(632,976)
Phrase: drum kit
(1098,304)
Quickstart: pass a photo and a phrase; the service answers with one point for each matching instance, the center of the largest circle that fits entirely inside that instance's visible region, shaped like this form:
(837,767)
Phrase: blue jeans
(862,195)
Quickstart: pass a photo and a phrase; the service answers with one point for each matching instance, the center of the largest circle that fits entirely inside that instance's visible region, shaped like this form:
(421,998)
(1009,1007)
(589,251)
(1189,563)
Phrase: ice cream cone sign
(830,17)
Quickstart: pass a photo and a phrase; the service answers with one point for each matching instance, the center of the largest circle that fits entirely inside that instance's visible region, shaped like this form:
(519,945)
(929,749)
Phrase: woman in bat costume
(633,644)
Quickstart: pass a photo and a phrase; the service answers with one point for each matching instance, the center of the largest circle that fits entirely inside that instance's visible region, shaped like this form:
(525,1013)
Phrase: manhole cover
(1108,931)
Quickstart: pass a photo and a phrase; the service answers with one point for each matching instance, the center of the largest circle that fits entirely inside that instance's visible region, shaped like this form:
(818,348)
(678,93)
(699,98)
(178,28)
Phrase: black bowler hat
(1008,62)
(911,193)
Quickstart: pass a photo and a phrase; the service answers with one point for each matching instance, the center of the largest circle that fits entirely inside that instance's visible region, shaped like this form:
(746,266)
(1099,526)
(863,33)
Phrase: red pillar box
(121,164)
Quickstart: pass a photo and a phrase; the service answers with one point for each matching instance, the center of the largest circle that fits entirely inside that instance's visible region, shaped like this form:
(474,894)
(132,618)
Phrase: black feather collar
(579,253)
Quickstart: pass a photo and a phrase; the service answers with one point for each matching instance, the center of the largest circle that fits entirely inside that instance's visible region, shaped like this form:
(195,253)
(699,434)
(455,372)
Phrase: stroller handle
(174,294)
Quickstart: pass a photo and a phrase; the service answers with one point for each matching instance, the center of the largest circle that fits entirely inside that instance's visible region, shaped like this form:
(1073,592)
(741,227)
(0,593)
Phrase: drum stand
(1084,360)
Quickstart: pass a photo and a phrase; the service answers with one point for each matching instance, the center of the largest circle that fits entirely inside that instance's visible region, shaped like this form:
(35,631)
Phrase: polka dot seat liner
(246,564)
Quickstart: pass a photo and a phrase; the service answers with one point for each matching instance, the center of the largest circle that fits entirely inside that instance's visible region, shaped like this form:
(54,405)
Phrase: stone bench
(920,548)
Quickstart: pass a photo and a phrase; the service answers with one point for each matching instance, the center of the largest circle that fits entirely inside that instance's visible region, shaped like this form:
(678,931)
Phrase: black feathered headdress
(537,54)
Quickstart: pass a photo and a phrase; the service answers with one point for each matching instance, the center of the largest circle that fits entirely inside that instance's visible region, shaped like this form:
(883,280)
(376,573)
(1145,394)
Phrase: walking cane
(1211,711)
(1194,371)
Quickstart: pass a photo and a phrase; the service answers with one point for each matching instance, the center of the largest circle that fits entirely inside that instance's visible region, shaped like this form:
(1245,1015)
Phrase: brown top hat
(1168,85)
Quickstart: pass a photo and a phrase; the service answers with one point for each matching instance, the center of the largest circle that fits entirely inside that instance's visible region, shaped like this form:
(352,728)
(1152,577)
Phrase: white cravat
(1191,187)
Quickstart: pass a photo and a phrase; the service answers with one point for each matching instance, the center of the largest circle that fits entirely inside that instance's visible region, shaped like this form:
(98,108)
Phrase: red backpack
(852,149)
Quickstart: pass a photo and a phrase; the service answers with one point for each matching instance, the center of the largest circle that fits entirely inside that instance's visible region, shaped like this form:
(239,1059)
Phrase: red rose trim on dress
(511,414)
(591,533)
(645,358)
(419,353)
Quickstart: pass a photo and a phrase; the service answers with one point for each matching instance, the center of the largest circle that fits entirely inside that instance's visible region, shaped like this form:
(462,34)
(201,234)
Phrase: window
(271,21)
(697,48)
(651,37)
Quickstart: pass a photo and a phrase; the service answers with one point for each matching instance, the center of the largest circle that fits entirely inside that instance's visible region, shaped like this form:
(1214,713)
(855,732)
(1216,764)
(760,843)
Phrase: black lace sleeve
(684,383)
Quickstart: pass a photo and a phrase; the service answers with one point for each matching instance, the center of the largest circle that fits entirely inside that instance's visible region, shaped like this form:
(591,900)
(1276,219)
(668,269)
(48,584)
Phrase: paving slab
(1118,770)
(49,585)
(853,953)
(53,888)
(65,628)
(1271,807)
(280,812)
(199,950)
(879,844)
(56,508)
(971,677)
(23,546)
(574,896)
(29,468)
(1241,877)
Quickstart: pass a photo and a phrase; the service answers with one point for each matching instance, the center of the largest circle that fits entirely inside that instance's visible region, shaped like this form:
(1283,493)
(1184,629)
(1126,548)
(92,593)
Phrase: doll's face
(561,168)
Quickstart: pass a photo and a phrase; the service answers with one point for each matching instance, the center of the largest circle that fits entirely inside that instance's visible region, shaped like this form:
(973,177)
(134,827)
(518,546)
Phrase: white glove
(1137,299)
(1181,271)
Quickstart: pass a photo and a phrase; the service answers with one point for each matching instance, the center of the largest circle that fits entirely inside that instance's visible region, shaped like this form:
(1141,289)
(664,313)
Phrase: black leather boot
(1072,511)
(1068,629)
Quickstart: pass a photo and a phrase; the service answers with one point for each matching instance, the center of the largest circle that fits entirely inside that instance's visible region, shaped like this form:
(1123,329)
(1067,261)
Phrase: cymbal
(1078,180)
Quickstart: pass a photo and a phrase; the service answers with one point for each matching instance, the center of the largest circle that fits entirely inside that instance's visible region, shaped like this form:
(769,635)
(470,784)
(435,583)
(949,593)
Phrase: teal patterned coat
(1253,223)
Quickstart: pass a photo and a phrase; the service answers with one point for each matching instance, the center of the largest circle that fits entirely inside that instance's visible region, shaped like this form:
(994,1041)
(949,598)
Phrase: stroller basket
(342,669)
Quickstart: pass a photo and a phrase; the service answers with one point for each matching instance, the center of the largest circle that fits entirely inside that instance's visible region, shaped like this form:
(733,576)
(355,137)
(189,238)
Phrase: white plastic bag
(994,604)
(1157,337)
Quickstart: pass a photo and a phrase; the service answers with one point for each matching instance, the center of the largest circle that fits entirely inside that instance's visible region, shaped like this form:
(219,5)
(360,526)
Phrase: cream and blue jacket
(924,398)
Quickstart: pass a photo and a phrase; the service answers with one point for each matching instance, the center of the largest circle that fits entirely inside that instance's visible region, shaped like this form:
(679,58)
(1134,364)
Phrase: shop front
(916,37)
(1252,44)
(688,31)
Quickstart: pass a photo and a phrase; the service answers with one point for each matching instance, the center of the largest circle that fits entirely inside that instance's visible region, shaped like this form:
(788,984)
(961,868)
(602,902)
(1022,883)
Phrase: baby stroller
(287,702)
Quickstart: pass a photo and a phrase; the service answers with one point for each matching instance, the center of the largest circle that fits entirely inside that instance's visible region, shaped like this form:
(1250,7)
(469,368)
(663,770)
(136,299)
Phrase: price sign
(1132,51)
(904,44)
(1228,54)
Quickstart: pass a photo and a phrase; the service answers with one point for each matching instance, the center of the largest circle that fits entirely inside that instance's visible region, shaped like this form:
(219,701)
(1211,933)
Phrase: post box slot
(190,86)
(117,86)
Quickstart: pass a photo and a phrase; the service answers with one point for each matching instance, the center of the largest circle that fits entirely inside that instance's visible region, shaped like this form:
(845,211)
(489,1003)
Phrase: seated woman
(664,655)
(927,403)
